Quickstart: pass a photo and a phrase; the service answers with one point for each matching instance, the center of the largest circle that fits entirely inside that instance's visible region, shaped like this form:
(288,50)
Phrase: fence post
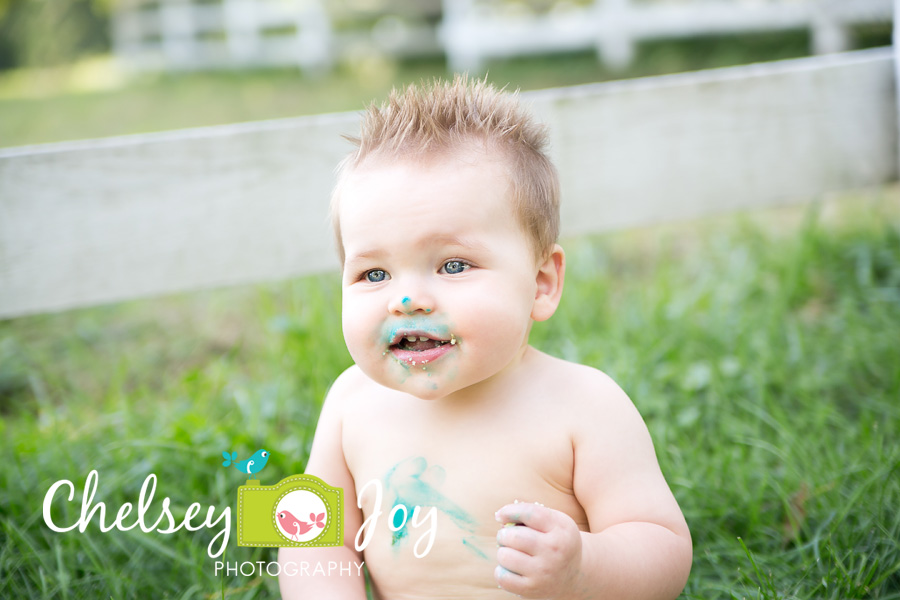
(829,33)
(177,22)
(458,36)
(315,48)
(242,29)
(614,44)
(126,31)
(896,44)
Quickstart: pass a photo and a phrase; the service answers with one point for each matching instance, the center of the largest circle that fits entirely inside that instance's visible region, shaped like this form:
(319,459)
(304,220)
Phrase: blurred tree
(40,33)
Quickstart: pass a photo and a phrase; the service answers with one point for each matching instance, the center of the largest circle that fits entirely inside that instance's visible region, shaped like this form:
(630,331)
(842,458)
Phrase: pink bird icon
(294,527)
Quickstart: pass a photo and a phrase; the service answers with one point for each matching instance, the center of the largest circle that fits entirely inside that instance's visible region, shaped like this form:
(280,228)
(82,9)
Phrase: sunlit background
(73,69)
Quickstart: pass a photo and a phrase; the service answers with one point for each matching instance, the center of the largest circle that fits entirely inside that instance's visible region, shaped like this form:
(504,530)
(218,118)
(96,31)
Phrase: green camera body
(298,511)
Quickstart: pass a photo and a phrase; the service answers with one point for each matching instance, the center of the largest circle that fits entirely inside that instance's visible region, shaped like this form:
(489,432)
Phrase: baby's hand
(541,556)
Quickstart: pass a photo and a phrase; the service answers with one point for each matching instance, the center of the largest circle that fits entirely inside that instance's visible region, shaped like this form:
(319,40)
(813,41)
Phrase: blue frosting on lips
(437,330)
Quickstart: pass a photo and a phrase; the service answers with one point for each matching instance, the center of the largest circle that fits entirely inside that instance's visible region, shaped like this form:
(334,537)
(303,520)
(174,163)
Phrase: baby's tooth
(411,338)
(423,339)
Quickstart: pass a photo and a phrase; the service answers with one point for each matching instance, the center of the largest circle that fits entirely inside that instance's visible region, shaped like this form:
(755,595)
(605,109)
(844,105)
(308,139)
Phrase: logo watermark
(299,511)
(302,568)
(165,524)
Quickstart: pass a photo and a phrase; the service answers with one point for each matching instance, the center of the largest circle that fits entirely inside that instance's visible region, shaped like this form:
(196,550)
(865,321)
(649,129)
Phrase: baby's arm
(326,461)
(639,545)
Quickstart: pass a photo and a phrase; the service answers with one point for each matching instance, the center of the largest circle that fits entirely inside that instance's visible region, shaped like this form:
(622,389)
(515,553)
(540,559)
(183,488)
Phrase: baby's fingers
(523,575)
(533,515)
(511,581)
(521,538)
(514,561)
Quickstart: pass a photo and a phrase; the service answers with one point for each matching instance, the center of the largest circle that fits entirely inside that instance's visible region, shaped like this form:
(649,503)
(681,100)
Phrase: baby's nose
(411,303)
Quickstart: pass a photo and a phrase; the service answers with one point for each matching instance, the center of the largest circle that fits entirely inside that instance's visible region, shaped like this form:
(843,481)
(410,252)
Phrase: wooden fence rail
(105,220)
(472,32)
(314,34)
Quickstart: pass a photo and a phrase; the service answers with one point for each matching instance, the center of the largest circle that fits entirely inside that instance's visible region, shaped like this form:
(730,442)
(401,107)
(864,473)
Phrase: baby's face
(439,280)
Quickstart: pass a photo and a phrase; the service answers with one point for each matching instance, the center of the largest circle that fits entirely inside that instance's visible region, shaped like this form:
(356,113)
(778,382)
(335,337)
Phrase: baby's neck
(495,387)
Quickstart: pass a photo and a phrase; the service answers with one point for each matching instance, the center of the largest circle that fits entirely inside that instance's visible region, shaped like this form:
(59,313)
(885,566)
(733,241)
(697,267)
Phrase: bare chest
(428,486)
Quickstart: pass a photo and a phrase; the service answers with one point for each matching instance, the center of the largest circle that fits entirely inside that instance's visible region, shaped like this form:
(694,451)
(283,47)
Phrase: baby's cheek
(357,338)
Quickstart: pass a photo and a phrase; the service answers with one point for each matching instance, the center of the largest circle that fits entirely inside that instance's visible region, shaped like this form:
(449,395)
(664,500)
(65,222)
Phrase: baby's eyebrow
(441,239)
(363,255)
(455,240)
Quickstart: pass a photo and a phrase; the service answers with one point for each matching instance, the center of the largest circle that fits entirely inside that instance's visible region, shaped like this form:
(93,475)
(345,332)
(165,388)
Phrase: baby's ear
(550,278)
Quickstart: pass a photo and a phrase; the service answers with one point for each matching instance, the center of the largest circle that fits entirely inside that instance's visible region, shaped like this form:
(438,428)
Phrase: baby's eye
(452,267)
(376,275)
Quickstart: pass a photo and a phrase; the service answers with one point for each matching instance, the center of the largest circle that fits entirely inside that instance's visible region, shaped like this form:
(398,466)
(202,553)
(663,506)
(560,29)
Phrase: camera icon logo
(298,511)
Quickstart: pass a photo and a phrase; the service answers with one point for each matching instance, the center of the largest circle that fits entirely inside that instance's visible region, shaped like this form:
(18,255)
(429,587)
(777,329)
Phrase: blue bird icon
(251,466)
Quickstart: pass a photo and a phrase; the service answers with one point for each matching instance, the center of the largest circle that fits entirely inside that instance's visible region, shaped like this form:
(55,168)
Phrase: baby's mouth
(419,348)
(420,343)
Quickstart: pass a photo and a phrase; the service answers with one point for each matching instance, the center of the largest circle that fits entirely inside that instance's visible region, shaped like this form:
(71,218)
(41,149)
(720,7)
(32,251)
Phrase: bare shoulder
(340,402)
(616,477)
(581,388)
(348,388)
(347,383)
(603,421)
(357,404)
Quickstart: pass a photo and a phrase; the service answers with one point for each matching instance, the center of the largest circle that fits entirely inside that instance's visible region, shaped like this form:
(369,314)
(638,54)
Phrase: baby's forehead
(473,154)
(419,178)
(427,183)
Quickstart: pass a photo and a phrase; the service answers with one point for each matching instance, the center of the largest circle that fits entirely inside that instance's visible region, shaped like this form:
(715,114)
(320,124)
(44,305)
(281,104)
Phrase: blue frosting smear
(413,483)
(423,324)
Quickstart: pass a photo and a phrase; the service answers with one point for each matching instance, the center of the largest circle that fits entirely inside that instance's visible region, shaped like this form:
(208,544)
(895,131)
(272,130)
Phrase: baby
(536,476)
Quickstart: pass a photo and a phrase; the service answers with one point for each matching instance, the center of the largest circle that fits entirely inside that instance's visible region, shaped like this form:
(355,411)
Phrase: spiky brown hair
(447,116)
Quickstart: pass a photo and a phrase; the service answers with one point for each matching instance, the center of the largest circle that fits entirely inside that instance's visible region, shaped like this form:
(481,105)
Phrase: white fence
(203,34)
(104,220)
(313,34)
(474,32)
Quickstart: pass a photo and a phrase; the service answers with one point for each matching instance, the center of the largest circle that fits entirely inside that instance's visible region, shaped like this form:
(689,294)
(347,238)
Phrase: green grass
(89,100)
(765,360)
(768,369)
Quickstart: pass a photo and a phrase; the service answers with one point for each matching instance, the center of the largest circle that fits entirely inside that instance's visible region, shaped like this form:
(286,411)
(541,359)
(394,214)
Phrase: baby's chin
(408,381)
(423,381)
(428,395)
(419,385)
